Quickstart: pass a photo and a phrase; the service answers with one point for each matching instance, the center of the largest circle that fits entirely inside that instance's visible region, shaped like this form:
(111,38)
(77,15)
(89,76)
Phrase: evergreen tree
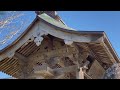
(113,72)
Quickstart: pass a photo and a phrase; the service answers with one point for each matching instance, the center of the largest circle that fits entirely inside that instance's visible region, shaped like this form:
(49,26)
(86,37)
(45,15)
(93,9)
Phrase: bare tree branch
(7,23)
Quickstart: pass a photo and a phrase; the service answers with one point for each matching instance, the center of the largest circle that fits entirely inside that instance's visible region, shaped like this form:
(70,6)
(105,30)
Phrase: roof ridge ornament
(50,13)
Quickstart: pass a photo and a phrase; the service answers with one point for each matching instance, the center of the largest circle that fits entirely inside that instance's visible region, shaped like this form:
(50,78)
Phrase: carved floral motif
(38,36)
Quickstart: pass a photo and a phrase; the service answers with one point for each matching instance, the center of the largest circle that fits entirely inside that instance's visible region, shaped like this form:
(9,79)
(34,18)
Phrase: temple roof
(97,41)
(52,21)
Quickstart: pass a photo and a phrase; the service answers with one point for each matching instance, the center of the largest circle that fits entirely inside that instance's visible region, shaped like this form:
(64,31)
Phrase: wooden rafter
(108,52)
(20,57)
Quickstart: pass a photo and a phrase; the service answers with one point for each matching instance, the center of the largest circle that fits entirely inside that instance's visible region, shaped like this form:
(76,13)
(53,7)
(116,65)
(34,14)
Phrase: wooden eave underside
(11,65)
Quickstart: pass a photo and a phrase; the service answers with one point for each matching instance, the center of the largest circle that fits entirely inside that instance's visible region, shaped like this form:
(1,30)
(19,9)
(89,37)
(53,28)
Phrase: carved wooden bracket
(68,42)
(38,36)
(38,40)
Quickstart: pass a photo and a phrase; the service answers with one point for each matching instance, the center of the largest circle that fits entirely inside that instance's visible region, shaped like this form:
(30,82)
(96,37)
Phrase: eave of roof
(52,23)
(60,26)
(109,45)
(64,29)
(67,29)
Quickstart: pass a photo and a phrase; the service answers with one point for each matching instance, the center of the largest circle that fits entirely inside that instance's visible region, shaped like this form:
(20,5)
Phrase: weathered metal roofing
(49,19)
(61,26)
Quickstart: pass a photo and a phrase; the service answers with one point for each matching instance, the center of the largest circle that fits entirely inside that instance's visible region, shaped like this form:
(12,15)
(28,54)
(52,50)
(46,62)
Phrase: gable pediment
(45,26)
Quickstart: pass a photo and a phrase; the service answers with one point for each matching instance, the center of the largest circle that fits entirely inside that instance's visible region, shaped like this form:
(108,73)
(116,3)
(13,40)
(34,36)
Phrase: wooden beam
(43,70)
(70,35)
(36,76)
(108,52)
(50,53)
(59,76)
(65,69)
(78,55)
(87,76)
(55,60)
(21,57)
(23,64)
(58,71)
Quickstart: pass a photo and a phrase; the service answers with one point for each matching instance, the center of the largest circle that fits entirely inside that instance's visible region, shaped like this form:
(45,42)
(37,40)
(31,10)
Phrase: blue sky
(108,21)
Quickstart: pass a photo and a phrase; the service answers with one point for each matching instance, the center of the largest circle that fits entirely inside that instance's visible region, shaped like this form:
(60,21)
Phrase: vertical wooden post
(80,74)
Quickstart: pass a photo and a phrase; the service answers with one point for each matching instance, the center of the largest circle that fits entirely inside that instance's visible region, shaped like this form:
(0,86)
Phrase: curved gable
(45,24)
(96,41)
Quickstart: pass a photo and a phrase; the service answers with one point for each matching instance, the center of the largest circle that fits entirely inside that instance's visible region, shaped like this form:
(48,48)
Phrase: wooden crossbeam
(23,63)
(65,69)
(86,75)
(43,70)
(58,73)
(20,57)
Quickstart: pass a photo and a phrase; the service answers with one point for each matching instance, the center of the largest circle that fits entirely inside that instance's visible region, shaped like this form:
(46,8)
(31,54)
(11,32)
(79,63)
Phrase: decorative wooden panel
(96,71)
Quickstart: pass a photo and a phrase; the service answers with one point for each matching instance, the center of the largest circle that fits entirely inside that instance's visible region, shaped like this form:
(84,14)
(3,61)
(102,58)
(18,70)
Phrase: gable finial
(50,13)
